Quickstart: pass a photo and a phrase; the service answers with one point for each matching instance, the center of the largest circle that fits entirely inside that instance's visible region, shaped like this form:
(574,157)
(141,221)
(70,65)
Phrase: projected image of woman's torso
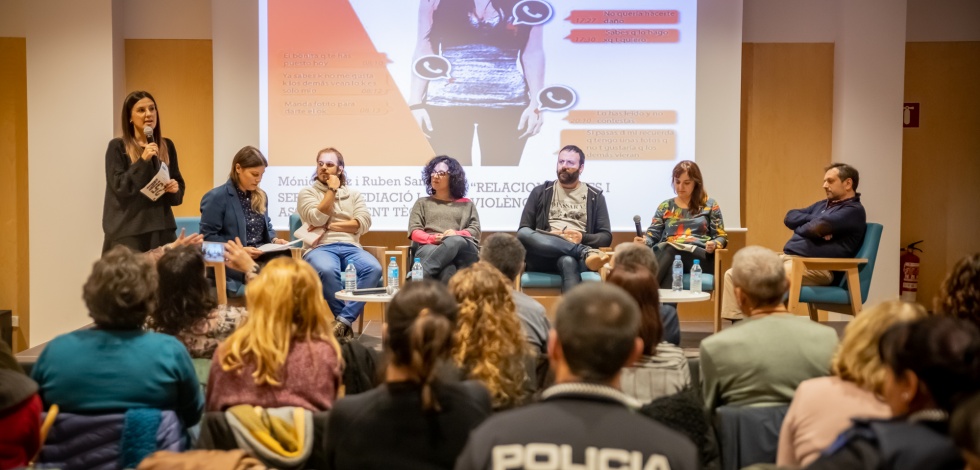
(483,46)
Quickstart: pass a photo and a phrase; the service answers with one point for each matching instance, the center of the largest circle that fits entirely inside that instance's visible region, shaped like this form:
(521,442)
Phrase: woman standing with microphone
(130,217)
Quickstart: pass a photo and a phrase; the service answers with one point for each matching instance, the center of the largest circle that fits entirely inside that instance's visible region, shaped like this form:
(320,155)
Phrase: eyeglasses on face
(440,174)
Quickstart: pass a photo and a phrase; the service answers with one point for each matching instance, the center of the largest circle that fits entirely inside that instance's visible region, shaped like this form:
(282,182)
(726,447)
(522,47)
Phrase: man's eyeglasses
(326,164)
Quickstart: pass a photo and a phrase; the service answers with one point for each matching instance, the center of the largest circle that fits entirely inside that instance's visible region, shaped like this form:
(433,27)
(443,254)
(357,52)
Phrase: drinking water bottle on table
(677,274)
(417,270)
(696,277)
(350,278)
(392,276)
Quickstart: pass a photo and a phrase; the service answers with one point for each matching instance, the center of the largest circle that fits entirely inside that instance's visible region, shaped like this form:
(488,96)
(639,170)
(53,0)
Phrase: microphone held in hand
(148,132)
(636,222)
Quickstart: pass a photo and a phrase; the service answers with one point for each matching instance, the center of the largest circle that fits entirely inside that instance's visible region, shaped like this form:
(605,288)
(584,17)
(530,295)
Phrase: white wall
(787,21)
(12,14)
(718,106)
(70,103)
(869,80)
(235,46)
(943,20)
(170,19)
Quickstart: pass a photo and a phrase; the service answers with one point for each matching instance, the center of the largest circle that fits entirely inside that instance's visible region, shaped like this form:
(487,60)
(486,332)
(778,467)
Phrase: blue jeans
(330,261)
(440,262)
(548,254)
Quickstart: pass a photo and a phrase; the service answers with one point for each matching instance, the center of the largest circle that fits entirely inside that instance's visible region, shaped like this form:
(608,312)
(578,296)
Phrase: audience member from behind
(595,336)
(639,255)
(186,308)
(416,419)
(116,366)
(20,413)
(931,366)
(504,252)
(763,360)
(488,344)
(964,428)
(286,353)
(662,370)
(959,295)
(823,407)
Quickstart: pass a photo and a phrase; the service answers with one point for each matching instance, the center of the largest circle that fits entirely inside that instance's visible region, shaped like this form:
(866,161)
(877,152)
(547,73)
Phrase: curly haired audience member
(931,366)
(187,309)
(416,419)
(823,407)
(489,345)
(959,294)
(286,353)
(117,366)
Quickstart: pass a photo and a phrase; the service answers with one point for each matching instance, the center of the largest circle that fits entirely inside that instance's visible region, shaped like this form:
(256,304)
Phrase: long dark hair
(421,319)
(451,26)
(943,352)
(457,177)
(640,284)
(129,136)
(699,197)
(184,292)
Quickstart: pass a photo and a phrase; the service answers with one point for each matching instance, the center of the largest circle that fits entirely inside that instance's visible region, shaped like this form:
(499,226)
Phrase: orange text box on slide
(623,36)
(620,116)
(624,17)
(623,144)
(330,86)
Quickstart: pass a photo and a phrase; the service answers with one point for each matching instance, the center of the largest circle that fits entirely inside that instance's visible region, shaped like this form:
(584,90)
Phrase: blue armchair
(851,292)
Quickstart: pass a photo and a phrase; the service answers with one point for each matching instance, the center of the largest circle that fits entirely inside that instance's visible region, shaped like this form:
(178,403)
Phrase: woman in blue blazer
(240,209)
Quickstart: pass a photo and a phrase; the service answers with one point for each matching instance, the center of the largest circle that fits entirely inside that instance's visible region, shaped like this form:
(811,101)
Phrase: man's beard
(568,176)
(323,177)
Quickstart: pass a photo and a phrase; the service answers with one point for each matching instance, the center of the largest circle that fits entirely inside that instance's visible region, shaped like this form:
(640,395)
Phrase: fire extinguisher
(910,272)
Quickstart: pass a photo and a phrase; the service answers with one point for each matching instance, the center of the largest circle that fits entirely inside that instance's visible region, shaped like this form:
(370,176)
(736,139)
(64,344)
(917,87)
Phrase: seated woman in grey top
(444,227)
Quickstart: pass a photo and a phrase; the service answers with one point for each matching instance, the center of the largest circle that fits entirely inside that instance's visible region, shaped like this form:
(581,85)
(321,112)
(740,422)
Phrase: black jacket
(845,221)
(597,230)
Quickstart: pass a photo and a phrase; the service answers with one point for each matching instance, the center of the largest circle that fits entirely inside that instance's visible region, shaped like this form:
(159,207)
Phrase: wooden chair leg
(814,312)
(360,324)
(854,289)
(795,284)
(717,307)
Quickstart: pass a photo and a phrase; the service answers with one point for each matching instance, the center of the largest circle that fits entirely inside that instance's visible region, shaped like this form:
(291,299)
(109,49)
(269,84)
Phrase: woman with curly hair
(444,227)
(489,345)
(824,406)
(286,353)
(959,296)
(417,417)
(186,309)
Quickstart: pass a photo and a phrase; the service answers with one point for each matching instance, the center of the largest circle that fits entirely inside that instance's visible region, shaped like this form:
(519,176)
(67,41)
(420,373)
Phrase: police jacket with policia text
(597,230)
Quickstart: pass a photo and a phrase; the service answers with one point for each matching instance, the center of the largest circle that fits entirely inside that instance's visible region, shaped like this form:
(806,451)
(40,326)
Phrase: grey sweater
(434,216)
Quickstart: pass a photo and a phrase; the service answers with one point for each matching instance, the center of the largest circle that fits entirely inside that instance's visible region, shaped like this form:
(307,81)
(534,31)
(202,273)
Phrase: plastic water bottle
(417,270)
(696,277)
(677,274)
(392,276)
(350,278)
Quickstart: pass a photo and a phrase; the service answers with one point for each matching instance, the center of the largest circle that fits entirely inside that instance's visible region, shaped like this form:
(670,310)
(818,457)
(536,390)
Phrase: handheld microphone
(148,132)
(636,221)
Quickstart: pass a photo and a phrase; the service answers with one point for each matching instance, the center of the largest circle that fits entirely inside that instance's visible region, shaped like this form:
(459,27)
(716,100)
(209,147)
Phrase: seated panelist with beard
(334,218)
(565,222)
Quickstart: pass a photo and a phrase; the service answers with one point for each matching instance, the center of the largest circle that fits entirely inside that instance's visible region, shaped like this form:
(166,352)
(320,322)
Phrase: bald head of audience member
(504,252)
(595,335)
(634,254)
(759,280)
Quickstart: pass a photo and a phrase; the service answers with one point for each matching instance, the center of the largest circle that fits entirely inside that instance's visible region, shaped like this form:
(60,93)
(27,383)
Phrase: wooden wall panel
(941,158)
(178,72)
(787,106)
(14,229)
